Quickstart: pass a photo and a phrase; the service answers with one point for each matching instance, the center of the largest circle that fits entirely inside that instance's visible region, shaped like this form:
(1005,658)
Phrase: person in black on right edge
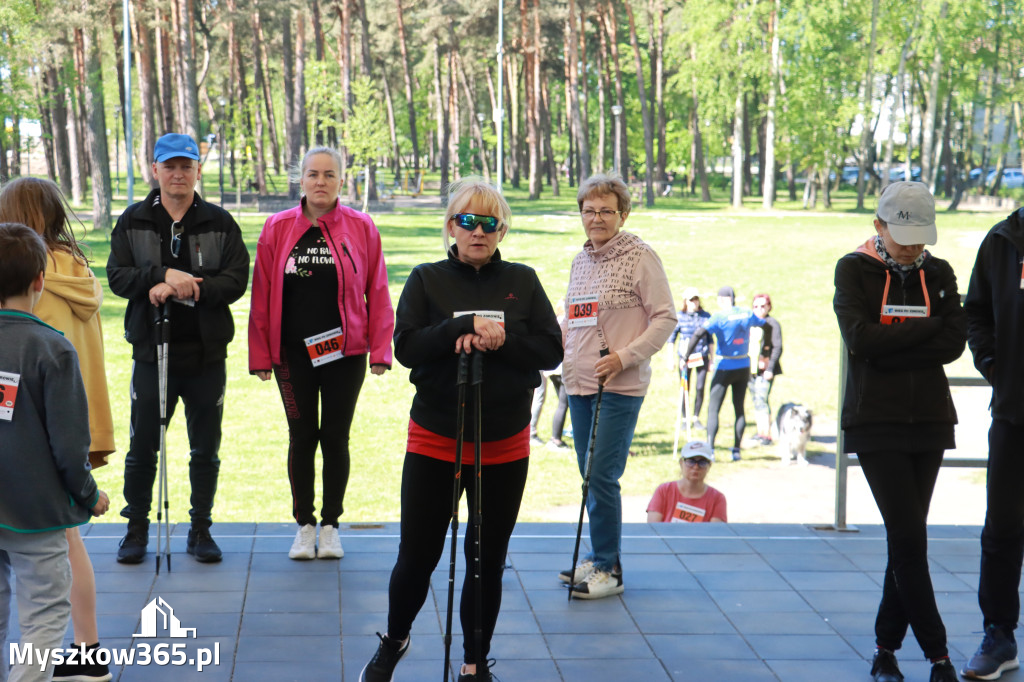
(995,328)
(900,316)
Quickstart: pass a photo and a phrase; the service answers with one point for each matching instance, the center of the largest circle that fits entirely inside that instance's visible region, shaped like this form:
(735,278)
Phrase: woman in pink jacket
(320,304)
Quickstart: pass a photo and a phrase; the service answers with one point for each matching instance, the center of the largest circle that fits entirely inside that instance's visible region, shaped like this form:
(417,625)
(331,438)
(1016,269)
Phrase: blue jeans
(611,450)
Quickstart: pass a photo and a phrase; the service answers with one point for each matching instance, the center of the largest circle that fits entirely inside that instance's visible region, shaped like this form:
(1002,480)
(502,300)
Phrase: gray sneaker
(996,655)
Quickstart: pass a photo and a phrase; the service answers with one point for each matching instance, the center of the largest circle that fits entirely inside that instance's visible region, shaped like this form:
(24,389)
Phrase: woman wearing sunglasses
(619,312)
(476,302)
(320,305)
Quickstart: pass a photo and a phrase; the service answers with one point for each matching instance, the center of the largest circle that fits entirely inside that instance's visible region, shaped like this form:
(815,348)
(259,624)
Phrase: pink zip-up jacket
(363,299)
(636,314)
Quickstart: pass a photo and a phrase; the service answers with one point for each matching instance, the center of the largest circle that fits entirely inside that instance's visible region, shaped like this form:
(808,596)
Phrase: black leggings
(558,418)
(304,388)
(426,512)
(701,379)
(1002,540)
(723,379)
(902,484)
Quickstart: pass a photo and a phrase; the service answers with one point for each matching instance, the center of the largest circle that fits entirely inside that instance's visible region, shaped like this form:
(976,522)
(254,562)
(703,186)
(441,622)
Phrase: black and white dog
(793,423)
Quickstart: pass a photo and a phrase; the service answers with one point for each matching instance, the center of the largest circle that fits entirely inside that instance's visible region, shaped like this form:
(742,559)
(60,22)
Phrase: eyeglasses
(177,229)
(605,213)
(469,221)
(697,462)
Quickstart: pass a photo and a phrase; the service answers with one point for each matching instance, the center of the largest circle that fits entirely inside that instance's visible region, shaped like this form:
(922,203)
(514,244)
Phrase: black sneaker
(132,549)
(483,675)
(381,667)
(943,671)
(884,667)
(201,545)
(996,655)
(735,454)
(82,672)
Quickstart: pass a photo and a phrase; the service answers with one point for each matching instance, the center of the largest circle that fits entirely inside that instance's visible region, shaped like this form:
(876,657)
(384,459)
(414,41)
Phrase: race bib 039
(582,311)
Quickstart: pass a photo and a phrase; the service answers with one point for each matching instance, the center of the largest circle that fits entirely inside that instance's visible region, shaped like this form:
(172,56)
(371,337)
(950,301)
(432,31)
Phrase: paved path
(724,602)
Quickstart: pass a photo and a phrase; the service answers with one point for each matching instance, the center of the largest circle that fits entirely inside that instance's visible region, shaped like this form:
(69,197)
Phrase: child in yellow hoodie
(70,302)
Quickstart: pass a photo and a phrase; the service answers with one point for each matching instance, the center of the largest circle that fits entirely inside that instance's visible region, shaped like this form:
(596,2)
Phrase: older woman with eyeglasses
(472,302)
(619,312)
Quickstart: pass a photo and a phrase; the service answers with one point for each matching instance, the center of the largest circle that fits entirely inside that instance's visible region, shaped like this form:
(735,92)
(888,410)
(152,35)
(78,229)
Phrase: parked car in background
(1013,178)
(897,173)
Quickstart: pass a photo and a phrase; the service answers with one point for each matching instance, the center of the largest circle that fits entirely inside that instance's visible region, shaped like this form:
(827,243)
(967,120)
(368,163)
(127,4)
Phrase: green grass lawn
(788,253)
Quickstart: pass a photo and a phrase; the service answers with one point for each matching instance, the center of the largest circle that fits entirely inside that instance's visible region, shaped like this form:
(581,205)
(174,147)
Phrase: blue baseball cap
(175,145)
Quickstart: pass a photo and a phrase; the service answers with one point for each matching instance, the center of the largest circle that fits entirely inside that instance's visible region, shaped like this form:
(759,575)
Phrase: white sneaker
(582,572)
(598,585)
(329,546)
(304,546)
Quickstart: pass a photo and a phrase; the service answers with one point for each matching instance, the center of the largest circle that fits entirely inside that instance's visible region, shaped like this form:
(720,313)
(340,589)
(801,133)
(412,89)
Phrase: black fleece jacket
(136,265)
(995,316)
(425,334)
(895,372)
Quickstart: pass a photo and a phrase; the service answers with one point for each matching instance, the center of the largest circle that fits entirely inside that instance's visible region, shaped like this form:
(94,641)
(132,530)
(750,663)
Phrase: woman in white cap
(900,316)
(688,320)
(690,499)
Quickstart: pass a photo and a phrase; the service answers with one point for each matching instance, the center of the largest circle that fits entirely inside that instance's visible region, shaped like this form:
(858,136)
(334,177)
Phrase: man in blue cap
(173,246)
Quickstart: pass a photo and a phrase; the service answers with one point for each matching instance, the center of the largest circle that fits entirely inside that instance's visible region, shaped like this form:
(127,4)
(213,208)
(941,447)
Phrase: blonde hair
(461,192)
(602,184)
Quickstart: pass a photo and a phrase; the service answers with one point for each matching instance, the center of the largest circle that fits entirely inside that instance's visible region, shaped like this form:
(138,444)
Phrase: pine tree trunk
(147,88)
(186,69)
(260,57)
(410,104)
(46,119)
(644,111)
(59,128)
(257,111)
(553,169)
(97,134)
(577,116)
(737,149)
(659,93)
(163,66)
(613,45)
(934,106)
(768,160)
(866,136)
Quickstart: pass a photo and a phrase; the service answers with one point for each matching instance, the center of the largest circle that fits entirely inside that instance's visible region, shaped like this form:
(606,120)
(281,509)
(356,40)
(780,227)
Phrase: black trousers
(902,484)
(723,379)
(203,395)
(701,380)
(1002,539)
(426,512)
(333,388)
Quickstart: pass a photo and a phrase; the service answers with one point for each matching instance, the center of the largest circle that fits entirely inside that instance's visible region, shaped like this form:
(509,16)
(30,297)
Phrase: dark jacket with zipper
(426,329)
(217,254)
(995,316)
(897,395)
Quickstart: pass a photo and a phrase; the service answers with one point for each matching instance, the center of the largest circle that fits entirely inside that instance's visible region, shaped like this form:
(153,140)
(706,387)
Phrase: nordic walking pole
(476,379)
(163,513)
(462,377)
(686,405)
(586,478)
(680,408)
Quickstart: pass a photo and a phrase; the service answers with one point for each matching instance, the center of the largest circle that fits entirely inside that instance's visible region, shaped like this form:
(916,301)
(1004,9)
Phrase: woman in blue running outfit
(731,327)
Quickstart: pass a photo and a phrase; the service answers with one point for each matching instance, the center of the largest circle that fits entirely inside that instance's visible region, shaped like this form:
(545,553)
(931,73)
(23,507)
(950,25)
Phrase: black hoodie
(995,316)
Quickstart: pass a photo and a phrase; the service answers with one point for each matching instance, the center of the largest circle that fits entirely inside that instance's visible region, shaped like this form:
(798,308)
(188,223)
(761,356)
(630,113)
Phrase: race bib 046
(325,347)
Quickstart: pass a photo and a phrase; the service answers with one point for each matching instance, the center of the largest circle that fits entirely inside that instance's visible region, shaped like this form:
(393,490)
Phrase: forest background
(662,90)
(673,94)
